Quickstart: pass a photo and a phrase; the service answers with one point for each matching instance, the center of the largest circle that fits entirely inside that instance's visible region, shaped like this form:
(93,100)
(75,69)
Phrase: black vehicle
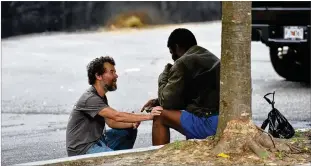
(285,28)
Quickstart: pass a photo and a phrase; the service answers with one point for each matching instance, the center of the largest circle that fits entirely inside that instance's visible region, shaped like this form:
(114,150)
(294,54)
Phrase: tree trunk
(235,79)
(236,132)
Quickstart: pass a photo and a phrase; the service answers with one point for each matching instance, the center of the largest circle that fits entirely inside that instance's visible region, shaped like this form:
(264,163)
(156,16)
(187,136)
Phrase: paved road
(43,75)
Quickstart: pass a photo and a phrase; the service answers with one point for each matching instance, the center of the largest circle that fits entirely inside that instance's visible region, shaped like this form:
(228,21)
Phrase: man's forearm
(118,125)
(132,118)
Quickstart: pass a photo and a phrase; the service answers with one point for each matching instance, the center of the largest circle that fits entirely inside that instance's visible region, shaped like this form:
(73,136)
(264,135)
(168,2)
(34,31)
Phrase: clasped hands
(151,108)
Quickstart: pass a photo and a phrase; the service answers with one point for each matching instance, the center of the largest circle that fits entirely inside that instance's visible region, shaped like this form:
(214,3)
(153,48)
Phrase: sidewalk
(64,161)
(98,156)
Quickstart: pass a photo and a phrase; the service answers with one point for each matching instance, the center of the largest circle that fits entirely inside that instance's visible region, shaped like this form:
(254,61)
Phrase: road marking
(132,70)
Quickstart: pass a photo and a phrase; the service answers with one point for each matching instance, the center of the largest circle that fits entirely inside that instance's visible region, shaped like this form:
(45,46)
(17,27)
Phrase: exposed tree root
(241,136)
(241,140)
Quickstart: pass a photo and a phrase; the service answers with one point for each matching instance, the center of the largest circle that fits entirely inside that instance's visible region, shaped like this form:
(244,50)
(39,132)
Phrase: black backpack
(279,127)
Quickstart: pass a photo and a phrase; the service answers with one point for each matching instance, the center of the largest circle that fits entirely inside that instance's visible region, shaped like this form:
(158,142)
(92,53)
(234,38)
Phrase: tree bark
(235,80)
(236,131)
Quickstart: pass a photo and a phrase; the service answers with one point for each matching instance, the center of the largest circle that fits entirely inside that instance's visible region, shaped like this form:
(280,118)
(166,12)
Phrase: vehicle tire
(306,64)
(289,67)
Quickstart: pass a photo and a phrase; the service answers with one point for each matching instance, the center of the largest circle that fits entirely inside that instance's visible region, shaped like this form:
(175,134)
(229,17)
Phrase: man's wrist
(150,117)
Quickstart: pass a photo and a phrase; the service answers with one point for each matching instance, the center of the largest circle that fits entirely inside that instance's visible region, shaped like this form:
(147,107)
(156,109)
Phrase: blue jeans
(115,139)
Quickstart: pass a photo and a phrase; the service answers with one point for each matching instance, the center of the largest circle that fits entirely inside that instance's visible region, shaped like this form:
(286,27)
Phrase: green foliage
(177,145)
(279,155)
(298,133)
(264,155)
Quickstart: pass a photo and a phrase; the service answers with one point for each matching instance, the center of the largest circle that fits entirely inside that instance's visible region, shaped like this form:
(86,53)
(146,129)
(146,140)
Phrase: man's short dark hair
(184,38)
(96,66)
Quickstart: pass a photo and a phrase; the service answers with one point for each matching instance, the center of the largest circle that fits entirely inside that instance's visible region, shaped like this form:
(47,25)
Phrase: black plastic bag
(279,127)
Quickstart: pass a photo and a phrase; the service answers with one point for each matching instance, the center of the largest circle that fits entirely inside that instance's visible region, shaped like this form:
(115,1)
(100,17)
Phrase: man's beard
(111,87)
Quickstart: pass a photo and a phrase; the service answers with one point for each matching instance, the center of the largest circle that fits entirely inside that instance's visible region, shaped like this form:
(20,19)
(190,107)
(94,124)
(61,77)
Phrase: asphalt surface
(43,75)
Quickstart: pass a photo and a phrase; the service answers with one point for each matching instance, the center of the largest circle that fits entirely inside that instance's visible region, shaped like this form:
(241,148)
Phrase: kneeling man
(86,132)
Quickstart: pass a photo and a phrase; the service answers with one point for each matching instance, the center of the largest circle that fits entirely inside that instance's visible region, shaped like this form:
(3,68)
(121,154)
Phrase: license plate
(293,33)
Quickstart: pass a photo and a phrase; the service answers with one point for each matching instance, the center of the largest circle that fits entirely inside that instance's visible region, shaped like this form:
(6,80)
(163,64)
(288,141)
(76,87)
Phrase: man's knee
(132,133)
(115,133)
(159,120)
(118,139)
(165,117)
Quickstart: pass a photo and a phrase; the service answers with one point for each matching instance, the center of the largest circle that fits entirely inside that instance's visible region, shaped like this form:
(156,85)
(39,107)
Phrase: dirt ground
(176,154)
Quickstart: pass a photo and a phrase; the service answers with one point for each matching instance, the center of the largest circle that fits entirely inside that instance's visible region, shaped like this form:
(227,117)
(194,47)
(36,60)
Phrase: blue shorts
(198,127)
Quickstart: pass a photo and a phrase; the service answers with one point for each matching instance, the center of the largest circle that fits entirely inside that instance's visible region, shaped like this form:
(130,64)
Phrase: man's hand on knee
(156,111)
(149,104)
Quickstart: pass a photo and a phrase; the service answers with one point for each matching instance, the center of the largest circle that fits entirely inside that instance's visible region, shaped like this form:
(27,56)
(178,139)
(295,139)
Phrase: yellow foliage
(223,155)
(129,20)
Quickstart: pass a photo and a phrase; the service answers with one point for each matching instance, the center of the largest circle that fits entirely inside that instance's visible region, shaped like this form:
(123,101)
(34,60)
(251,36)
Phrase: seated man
(188,91)
(85,130)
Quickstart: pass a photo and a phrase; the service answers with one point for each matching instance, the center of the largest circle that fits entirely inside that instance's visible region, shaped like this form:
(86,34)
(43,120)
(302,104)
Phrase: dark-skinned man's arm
(171,86)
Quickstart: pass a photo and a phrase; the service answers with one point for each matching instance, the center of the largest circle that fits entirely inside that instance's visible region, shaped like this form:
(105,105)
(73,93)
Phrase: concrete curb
(65,159)
(303,130)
